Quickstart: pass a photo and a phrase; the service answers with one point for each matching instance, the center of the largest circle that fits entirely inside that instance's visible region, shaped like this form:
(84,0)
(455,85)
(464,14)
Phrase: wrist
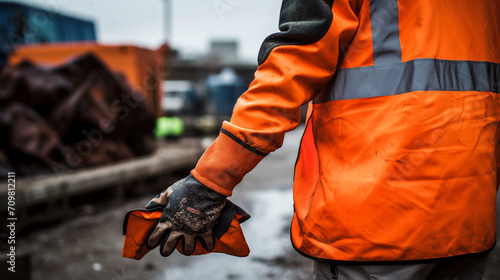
(224,164)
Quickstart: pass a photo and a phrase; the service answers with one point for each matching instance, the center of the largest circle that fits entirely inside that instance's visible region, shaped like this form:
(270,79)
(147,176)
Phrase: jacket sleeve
(294,65)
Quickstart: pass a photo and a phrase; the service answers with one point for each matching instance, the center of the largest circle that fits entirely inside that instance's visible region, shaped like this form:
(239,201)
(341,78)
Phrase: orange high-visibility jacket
(399,158)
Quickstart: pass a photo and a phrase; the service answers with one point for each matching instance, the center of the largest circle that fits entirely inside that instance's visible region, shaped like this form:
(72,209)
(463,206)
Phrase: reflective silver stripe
(414,75)
(385,31)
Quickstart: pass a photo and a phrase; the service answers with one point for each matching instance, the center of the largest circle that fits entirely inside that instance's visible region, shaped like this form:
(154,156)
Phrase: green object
(169,126)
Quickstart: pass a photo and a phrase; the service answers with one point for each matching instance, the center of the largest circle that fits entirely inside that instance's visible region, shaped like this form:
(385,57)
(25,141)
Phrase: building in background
(218,77)
(224,51)
(196,68)
(22,24)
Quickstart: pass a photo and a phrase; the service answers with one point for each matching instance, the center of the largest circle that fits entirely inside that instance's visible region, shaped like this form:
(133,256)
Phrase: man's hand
(190,212)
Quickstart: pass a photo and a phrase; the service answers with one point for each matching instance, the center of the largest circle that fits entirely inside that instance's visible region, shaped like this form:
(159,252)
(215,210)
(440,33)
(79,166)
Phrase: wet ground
(89,247)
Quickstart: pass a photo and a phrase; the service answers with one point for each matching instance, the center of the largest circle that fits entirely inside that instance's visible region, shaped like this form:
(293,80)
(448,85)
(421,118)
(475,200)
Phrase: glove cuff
(225,163)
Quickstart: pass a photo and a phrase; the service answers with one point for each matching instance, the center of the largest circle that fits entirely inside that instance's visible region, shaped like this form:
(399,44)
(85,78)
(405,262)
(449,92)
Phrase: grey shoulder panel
(302,22)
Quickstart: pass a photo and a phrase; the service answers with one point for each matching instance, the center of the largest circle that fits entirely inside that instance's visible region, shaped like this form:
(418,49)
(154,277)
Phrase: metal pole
(167,20)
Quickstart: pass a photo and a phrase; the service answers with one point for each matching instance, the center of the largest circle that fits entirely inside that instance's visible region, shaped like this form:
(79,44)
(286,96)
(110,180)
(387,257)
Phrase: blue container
(24,24)
(223,91)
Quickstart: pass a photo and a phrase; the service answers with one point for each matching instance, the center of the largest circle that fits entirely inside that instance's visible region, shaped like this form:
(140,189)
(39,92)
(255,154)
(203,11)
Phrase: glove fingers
(169,243)
(157,234)
(189,244)
(207,240)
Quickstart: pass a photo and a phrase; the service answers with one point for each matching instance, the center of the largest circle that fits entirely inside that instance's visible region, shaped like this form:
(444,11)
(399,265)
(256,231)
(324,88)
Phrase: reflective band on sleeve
(414,75)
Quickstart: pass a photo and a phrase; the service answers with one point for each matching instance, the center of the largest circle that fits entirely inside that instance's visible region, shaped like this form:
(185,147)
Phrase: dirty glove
(229,237)
(190,212)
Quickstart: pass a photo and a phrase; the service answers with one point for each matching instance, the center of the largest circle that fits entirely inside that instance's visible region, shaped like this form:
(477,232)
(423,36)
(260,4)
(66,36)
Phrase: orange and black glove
(186,216)
(191,211)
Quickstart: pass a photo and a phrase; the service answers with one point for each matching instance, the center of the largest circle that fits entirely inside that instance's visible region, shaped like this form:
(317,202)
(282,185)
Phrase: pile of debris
(80,114)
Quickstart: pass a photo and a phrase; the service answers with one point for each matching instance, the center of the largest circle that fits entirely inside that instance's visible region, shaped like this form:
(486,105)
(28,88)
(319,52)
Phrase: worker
(396,176)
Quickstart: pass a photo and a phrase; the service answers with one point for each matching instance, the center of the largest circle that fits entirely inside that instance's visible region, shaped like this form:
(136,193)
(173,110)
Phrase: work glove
(190,211)
(229,238)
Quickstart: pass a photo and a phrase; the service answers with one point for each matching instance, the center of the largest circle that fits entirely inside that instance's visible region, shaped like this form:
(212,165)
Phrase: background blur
(105,103)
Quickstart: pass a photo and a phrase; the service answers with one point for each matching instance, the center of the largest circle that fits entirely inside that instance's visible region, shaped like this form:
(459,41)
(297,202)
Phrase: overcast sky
(194,22)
